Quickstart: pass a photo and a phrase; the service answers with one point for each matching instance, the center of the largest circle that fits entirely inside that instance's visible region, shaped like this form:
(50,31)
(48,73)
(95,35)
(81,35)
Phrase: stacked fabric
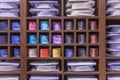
(45,66)
(81,65)
(113,7)
(80,8)
(9,77)
(113,65)
(44,8)
(37,77)
(113,77)
(113,40)
(9,66)
(82,78)
(9,8)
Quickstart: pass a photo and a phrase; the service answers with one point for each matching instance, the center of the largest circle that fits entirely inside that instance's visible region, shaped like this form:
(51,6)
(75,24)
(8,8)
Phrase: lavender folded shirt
(57,39)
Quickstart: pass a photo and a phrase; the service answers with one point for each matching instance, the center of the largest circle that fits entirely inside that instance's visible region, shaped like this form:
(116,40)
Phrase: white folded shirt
(42,6)
(9,68)
(111,63)
(45,68)
(78,13)
(83,5)
(110,26)
(9,14)
(15,1)
(81,63)
(80,68)
(82,78)
(44,63)
(46,13)
(8,6)
(115,77)
(89,11)
(9,63)
(35,77)
(79,0)
(115,13)
(7,77)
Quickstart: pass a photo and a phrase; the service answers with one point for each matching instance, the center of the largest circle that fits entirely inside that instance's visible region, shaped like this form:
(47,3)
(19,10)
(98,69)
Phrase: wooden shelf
(82,58)
(45,73)
(9,72)
(94,44)
(3,45)
(113,72)
(81,17)
(113,17)
(51,17)
(113,58)
(10,58)
(38,58)
(15,31)
(4,31)
(81,73)
(7,18)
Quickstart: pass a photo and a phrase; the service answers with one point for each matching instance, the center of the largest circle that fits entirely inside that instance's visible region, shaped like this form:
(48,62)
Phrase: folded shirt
(44,12)
(115,62)
(8,1)
(82,78)
(114,46)
(81,63)
(80,68)
(44,63)
(9,68)
(90,11)
(8,6)
(79,0)
(44,8)
(8,14)
(115,77)
(9,77)
(78,13)
(37,77)
(45,68)
(83,5)
(115,13)
(10,10)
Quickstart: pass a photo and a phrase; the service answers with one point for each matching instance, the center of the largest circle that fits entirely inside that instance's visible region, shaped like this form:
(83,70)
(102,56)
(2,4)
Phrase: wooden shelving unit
(24,59)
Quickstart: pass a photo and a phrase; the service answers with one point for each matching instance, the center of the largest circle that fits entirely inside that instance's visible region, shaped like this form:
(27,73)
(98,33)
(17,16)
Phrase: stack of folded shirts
(82,78)
(80,8)
(113,65)
(11,77)
(113,40)
(9,66)
(37,77)
(81,66)
(45,66)
(44,8)
(113,77)
(9,8)
(113,8)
